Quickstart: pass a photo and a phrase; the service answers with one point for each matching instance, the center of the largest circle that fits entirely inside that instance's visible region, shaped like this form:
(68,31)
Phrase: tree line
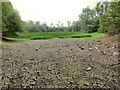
(104,17)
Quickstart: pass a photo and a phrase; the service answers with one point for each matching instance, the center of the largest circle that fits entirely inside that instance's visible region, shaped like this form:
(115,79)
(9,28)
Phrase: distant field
(49,35)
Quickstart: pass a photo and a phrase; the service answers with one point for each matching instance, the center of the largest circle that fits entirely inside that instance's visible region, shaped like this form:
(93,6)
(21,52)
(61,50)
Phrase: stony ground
(61,63)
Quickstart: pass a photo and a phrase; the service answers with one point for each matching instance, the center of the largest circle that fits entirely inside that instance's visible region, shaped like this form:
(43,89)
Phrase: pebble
(82,48)
(90,49)
(96,47)
(37,49)
(32,83)
(31,59)
(114,46)
(103,52)
(115,53)
(89,69)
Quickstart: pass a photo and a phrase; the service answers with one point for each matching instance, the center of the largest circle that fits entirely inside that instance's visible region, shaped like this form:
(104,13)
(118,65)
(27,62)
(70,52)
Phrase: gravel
(60,63)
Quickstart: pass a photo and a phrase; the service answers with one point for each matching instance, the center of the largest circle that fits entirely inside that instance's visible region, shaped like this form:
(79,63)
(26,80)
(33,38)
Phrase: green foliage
(11,22)
(88,20)
(105,18)
(110,19)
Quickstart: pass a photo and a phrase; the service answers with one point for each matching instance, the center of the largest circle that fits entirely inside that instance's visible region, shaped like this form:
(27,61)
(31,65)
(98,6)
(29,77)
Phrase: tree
(75,26)
(11,21)
(87,19)
(69,26)
(110,19)
(44,27)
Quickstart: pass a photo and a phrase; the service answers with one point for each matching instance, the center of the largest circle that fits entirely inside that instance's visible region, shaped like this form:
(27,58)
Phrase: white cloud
(51,10)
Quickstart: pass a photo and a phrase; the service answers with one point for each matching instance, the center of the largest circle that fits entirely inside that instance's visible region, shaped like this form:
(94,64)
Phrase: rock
(98,41)
(32,83)
(108,46)
(36,49)
(86,84)
(89,69)
(114,46)
(90,49)
(96,47)
(115,53)
(82,48)
(119,59)
(31,59)
(103,52)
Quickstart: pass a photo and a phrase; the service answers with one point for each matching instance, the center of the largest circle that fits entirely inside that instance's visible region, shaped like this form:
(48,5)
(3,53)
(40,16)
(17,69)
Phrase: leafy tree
(87,19)
(75,26)
(44,27)
(69,26)
(110,19)
(11,21)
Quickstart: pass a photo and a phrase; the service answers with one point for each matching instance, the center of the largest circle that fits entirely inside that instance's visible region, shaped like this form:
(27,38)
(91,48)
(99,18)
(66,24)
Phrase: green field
(50,35)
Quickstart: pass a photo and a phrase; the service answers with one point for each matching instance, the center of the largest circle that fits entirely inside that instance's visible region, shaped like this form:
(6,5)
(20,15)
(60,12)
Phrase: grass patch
(81,36)
(50,35)
(7,39)
(96,36)
(40,37)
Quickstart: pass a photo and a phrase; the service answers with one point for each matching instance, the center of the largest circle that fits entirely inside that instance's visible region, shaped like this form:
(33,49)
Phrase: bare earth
(61,63)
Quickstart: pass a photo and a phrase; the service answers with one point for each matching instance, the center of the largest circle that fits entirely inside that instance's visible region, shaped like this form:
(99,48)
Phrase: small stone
(90,49)
(96,47)
(103,52)
(98,41)
(7,59)
(32,83)
(37,49)
(89,69)
(86,84)
(114,46)
(82,48)
(118,59)
(31,59)
(115,53)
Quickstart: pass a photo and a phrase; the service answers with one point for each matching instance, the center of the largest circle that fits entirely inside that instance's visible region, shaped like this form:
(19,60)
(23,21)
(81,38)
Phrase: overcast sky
(51,11)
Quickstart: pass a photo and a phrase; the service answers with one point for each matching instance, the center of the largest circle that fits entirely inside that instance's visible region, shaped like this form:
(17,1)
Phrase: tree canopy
(11,21)
(109,13)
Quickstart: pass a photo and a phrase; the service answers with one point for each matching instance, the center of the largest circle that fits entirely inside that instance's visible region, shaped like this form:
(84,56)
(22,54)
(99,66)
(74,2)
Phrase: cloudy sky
(51,11)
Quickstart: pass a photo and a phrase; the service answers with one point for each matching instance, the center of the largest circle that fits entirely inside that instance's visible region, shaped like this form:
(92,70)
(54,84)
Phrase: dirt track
(60,63)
